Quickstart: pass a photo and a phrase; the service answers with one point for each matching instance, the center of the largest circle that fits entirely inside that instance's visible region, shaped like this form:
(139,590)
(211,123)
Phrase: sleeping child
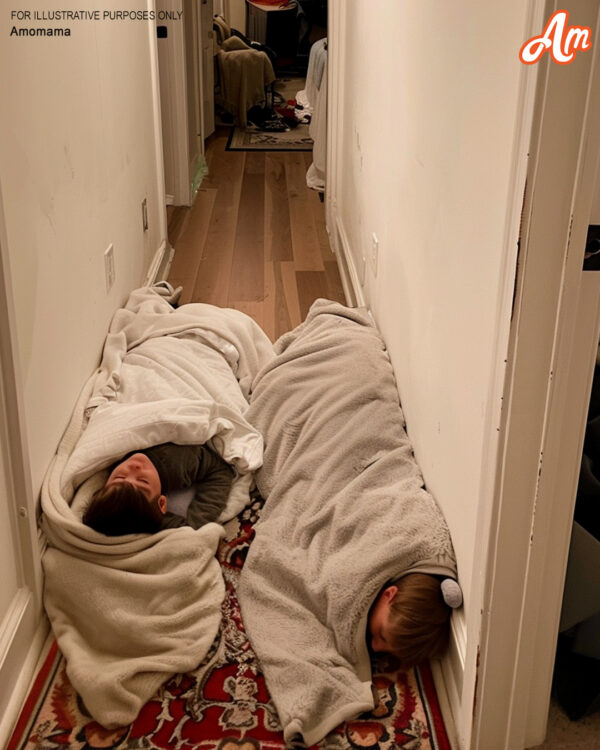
(410,617)
(134,497)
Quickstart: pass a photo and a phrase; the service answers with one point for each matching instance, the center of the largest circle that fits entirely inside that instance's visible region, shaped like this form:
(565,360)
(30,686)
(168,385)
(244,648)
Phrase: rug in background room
(224,704)
(257,136)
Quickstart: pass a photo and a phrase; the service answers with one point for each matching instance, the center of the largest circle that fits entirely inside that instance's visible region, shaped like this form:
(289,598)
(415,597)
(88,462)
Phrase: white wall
(77,157)
(80,149)
(427,130)
(235,14)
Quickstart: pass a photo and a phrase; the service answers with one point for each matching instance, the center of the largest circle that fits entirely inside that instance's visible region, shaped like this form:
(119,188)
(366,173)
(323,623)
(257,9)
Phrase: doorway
(554,343)
(576,679)
(185,64)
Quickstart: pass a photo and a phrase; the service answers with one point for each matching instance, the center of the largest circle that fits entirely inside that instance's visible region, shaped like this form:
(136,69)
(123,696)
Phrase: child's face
(378,619)
(139,471)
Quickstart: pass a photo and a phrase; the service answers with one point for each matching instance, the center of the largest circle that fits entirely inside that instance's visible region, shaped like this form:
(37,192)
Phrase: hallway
(427,210)
(255,238)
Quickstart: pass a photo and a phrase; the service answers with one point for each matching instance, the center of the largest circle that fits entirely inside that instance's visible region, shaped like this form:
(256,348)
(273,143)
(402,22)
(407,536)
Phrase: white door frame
(554,340)
(179,163)
(23,628)
(194,73)
(173,102)
(206,63)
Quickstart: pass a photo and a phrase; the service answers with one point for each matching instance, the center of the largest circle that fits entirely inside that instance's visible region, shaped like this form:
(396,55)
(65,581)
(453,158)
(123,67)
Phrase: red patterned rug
(224,704)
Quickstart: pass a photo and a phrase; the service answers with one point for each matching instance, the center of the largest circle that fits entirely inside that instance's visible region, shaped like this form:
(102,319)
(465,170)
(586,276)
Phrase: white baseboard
(445,703)
(449,673)
(20,688)
(162,256)
(348,271)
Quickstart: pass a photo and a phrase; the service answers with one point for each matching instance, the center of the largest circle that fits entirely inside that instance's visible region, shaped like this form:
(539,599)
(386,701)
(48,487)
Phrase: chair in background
(244,73)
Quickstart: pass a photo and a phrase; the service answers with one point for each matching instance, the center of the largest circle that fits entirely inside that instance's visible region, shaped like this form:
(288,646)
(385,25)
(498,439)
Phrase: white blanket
(345,512)
(130,611)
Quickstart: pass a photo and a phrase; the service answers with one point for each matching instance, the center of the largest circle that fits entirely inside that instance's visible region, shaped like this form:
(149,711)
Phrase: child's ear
(390,592)
(162,503)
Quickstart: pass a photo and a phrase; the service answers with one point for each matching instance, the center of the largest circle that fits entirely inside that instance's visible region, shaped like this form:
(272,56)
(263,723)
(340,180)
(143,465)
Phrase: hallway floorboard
(255,238)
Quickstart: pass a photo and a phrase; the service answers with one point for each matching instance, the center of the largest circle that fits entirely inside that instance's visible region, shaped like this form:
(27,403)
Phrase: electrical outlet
(109,266)
(145,214)
(373,257)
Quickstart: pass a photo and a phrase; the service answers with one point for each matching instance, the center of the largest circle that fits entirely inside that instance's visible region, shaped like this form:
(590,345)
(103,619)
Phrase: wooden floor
(255,238)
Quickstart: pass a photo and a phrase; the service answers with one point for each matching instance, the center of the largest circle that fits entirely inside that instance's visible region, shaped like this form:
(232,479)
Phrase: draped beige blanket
(244,73)
(345,512)
(130,611)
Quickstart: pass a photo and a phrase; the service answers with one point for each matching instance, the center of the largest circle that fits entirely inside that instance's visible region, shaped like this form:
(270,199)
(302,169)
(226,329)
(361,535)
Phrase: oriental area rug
(224,704)
(283,128)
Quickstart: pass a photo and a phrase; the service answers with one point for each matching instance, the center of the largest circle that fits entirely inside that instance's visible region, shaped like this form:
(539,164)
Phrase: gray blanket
(345,512)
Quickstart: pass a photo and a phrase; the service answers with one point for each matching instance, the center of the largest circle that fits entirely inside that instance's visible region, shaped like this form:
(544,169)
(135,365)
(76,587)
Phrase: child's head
(410,619)
(138,471)
(130,502)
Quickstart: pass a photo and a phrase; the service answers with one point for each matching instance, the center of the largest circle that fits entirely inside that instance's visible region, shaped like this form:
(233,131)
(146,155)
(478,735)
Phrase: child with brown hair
(410,617)
(134,498)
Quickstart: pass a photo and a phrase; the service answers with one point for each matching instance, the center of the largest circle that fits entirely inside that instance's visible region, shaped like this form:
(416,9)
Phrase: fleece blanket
(345,512)
(130,611)
(244,74)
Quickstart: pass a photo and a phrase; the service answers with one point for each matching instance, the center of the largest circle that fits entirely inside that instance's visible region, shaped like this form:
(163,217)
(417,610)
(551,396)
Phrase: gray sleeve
(211,490)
